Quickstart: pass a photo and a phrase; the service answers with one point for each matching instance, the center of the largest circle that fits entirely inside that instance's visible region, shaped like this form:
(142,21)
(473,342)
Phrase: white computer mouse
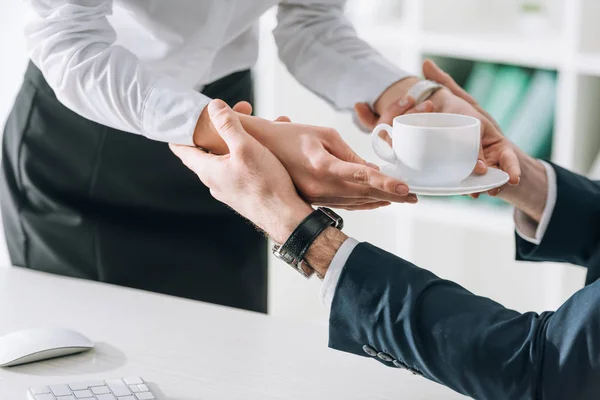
(38,344)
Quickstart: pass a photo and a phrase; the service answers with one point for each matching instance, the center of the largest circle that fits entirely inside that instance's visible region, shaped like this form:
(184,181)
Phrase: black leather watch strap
(295,248)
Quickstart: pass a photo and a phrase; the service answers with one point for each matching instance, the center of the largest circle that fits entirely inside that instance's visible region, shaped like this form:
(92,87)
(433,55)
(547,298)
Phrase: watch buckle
(299,265)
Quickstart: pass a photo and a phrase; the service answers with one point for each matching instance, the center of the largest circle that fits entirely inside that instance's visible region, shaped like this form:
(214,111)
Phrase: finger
(365,115)
(425,107)
(367,176)
(494,192)
(366,206)
(243,107)
(509,163)
(283,118)
(396,109)
(341,150)
(228,124)
(199,161)
(432,72)
(370,193)
(369,206)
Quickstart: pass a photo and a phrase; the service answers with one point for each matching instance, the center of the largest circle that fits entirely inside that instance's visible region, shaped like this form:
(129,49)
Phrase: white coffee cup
(432,149)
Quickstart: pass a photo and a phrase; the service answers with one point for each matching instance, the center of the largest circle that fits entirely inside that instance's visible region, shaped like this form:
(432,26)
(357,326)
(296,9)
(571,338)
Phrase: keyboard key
(135,388)
(40,390)
(85,385)
(134,381)
(118,387)
(144,396)
(66,398)
(60,390)
(83,394)
(105,397)
(101,390)
(143,388)
(46,396)
(127,398)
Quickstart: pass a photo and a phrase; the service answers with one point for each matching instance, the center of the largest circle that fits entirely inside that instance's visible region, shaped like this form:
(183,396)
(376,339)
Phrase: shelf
(466,214)
(534,53)
(589,64)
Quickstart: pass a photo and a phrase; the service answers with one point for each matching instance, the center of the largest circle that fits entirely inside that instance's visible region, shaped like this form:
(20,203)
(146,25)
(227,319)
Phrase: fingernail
(215,106)
(515,184)
(481,164)
(404,102)
(422,107)
(402,190)
(374,166)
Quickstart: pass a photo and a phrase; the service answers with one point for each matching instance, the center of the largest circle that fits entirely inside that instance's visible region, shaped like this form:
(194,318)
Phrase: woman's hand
(325,170)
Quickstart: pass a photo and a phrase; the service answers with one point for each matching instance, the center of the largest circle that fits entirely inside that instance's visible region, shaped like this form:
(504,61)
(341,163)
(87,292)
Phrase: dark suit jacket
(437,329)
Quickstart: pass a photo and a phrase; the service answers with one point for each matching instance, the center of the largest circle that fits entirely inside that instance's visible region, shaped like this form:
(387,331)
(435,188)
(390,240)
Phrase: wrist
(393,93)
(323,249)
(285,219)
(207,136)
(531,194)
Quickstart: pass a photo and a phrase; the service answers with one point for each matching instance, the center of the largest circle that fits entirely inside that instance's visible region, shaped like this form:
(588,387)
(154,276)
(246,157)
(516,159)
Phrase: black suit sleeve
(469,343)
(573,234)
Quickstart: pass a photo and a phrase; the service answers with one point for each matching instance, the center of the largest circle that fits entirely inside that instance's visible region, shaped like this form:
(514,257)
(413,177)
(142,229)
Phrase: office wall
(438,241)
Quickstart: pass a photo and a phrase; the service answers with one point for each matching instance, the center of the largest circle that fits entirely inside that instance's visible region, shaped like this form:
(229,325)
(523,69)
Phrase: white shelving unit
(464,241)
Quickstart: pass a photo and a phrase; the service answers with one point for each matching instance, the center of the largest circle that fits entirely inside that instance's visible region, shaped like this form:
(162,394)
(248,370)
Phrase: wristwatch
(293,250)
(423,90)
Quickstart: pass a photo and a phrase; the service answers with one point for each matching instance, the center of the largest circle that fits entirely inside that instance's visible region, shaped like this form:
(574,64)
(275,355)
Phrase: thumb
(227,123)
(243,107)
(201,163)
(399,108)
(365,115)
(434,73)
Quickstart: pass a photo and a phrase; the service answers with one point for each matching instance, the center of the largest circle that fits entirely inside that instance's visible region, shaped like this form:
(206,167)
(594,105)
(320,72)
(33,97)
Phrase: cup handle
(383,151)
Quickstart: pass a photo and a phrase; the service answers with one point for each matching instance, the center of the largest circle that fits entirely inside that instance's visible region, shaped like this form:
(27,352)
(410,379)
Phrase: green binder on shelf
(507,93)
(481,81)
(533,123)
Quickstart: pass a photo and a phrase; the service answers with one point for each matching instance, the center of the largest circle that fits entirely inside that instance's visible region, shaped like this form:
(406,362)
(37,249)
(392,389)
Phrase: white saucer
(494,178)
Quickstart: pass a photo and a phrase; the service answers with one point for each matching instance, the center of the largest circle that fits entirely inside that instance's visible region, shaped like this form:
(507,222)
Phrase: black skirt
(84,200)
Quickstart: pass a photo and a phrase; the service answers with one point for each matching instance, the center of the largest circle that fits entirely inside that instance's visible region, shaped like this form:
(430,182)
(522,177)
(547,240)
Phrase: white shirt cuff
(335,270)
(526,227)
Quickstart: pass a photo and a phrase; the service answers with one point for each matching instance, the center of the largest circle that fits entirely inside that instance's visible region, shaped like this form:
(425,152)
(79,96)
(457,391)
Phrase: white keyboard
(113,389)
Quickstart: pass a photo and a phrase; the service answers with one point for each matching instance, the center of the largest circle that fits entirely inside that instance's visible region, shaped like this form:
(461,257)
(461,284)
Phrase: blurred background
(534,64)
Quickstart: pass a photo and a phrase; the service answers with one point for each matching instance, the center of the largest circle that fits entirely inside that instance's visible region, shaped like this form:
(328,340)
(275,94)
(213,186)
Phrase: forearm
(321,49)
(530,195)
(467,342)
(108,84)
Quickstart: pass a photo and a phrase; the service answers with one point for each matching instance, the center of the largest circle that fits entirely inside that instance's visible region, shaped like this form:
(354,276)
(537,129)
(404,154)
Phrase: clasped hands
(271,171)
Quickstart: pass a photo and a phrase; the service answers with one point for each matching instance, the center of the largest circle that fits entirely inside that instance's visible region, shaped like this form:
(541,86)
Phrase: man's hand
(325,170)
(249,179)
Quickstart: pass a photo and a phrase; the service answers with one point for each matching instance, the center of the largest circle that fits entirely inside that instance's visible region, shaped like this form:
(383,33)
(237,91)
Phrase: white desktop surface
(191,350)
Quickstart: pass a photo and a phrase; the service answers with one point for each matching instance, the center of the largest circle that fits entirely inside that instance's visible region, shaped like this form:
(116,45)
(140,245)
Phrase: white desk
(191,350)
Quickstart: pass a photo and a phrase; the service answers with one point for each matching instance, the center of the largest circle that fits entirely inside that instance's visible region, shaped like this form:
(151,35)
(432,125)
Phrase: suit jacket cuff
(572,232)
(527,228)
